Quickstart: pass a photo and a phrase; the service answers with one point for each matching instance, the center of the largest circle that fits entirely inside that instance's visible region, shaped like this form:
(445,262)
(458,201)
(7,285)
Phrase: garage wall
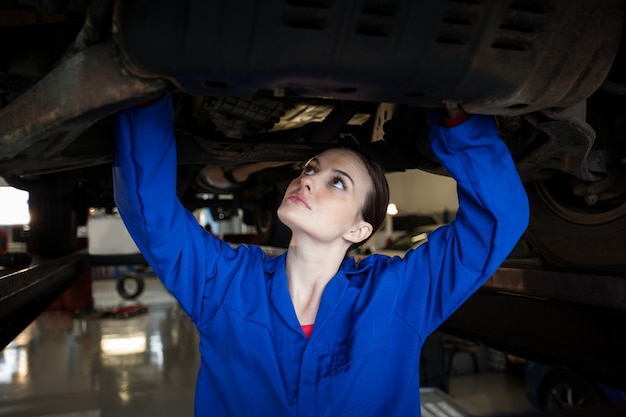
(417,191)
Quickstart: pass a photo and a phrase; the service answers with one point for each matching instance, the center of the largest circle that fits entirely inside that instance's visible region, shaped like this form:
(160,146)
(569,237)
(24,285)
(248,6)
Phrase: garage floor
(145,365)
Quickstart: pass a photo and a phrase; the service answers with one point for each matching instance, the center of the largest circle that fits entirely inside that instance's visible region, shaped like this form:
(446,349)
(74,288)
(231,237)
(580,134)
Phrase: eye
(339,183)
(309,169)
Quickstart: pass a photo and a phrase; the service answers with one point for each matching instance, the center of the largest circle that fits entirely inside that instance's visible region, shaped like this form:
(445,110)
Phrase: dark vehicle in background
(409,240)
(403,226)
(260,86)
(555,388)
(521,256)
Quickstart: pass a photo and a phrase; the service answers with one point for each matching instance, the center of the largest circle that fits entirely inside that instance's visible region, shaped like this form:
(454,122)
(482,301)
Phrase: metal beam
(82,90)
(25,293)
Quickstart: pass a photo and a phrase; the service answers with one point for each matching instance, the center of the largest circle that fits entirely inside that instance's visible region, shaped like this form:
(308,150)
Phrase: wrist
(451,121)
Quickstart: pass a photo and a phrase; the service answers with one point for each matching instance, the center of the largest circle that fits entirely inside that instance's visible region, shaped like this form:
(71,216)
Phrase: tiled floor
(146,365)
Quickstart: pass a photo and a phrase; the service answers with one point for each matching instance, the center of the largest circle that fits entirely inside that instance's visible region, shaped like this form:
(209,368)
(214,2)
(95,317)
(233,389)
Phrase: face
(325,201)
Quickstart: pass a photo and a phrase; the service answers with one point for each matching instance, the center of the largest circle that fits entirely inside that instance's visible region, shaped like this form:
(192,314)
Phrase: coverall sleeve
(180,251)
(458,258)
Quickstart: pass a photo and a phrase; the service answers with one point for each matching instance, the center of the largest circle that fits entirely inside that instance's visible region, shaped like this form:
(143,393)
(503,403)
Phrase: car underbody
(259,87)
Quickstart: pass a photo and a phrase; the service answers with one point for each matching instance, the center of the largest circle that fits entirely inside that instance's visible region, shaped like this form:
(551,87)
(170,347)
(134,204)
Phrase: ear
(361,231)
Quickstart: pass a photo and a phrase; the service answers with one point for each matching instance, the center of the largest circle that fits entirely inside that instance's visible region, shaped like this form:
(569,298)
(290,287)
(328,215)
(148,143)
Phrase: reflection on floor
(145,365)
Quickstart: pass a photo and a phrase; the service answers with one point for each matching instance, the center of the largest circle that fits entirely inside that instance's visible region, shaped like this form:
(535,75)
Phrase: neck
(308,270)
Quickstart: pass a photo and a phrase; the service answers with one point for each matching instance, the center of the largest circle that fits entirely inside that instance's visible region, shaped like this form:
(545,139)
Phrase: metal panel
(497,57)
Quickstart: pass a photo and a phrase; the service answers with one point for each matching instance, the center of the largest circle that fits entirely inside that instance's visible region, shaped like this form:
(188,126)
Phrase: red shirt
(307,329)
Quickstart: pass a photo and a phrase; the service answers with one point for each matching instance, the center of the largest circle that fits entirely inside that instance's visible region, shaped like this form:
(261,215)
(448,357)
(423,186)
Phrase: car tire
(573,236)
(563,389)
(130,287)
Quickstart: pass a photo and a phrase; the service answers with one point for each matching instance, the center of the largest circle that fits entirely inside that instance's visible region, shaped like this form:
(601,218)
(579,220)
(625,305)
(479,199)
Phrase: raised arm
(144,174)
(492,216)
(182,254)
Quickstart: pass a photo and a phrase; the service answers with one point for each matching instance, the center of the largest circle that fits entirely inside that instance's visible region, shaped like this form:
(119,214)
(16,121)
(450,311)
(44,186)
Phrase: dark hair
(374,209)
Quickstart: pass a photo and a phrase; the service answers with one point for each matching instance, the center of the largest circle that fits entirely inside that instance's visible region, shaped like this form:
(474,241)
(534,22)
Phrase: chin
(284,215)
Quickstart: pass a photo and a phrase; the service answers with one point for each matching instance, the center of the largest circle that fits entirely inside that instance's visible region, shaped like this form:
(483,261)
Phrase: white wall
(416,191)
(13,206)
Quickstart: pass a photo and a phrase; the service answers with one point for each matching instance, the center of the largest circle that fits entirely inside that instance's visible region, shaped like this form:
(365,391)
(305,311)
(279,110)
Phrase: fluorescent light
(392,210)
(123,344)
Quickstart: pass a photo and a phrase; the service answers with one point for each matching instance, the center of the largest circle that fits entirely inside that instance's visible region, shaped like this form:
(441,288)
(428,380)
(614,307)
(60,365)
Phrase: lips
(297,199)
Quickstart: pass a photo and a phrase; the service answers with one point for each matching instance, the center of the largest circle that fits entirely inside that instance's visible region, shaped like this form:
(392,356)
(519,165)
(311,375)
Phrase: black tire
(130,287)
(573,236)
(563,389)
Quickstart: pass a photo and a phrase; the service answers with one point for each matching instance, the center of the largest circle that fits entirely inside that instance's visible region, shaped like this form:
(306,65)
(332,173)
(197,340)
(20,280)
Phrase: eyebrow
(316,161)
(345,174)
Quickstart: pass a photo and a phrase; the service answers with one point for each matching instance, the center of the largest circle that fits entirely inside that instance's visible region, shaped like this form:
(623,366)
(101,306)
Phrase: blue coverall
(362,358)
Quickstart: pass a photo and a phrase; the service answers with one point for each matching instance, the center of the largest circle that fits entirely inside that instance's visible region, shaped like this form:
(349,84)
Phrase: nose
(306,182)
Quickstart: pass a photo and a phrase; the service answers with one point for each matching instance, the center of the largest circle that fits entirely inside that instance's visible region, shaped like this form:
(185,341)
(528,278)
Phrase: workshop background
(103,349)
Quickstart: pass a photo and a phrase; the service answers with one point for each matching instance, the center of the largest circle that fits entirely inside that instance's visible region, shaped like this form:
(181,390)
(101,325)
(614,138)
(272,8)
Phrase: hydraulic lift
(571,320)
(564,319)
(26,292)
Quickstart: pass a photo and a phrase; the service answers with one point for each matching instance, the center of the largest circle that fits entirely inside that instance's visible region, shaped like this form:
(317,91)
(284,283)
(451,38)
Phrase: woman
(311,332)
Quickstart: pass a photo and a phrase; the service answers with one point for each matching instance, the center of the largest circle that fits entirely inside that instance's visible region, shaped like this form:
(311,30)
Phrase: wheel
(130,286)
(563,389)
(572,235)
